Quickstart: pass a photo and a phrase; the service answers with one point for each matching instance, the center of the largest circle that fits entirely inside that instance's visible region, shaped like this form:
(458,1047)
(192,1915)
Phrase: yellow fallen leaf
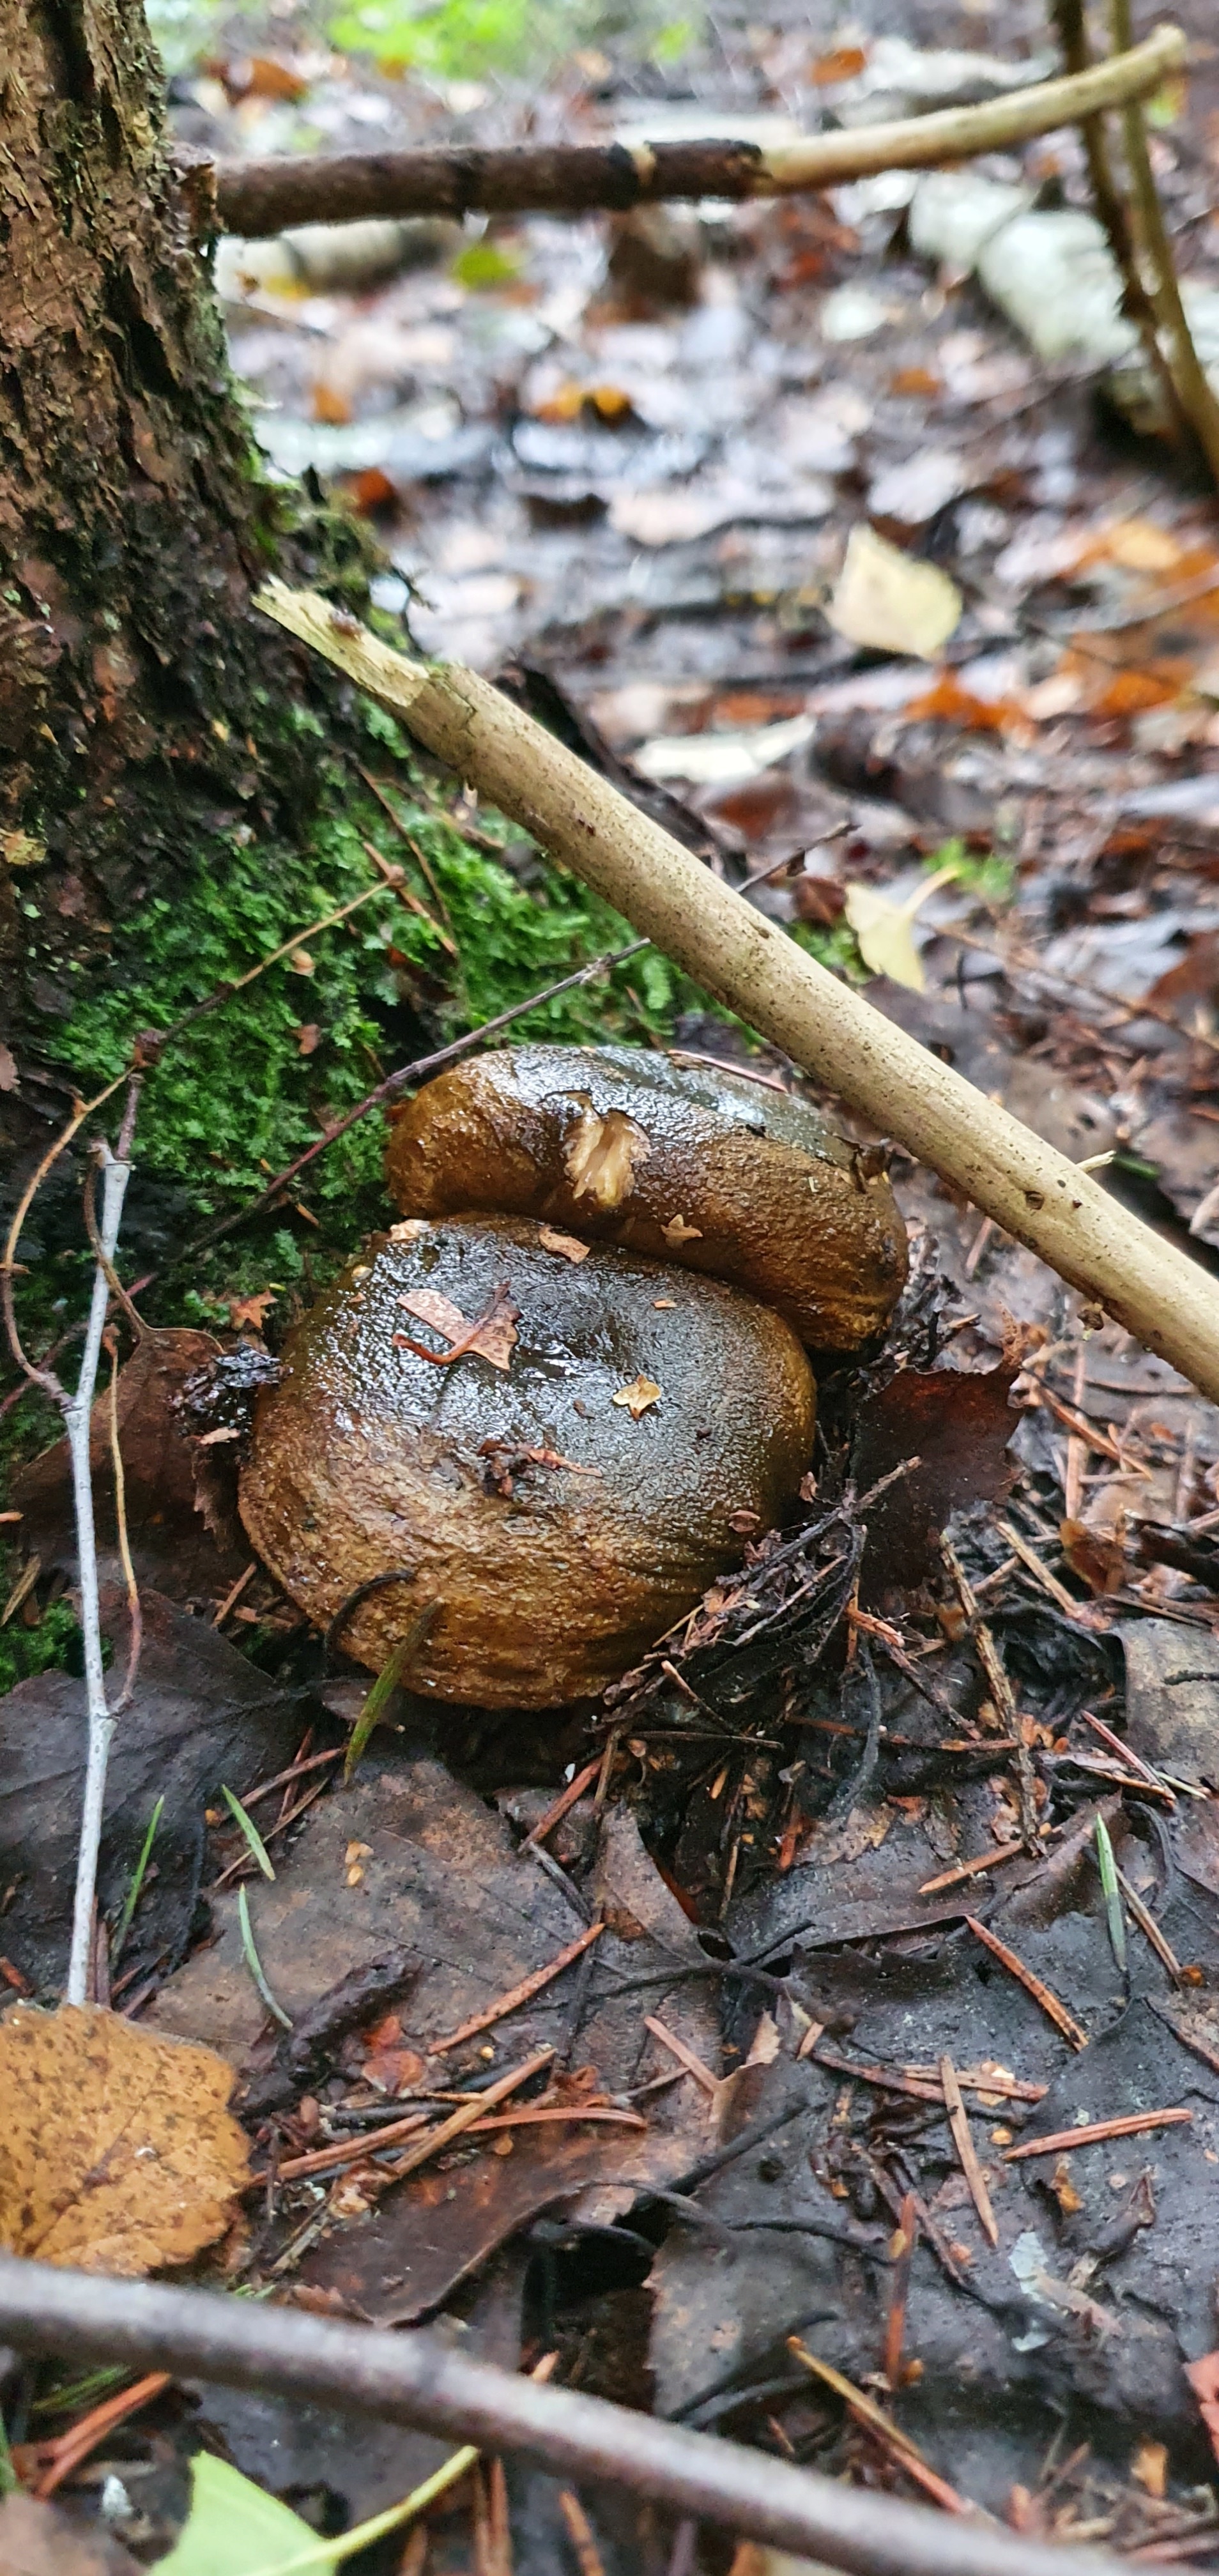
(883,929)
(888,600)
(117,2150)
(636,1398)
(568,1244)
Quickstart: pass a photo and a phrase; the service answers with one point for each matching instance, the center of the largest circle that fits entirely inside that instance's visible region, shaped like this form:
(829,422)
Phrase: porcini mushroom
(558,1445)
(707,1169)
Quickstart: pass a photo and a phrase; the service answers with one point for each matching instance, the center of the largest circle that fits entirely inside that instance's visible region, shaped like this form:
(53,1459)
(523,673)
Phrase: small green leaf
(392,1672)
(251,1832)
(1113,1893)
(132,1898)
(234,2529)
(254,1963)
(233,2526)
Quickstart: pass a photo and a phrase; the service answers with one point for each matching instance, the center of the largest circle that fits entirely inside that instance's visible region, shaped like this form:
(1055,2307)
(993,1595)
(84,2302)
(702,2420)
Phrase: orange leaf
(251,1310)
(118,2153)
(492,1338)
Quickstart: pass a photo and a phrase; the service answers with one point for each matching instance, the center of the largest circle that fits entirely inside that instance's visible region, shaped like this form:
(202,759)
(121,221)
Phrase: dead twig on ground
(1032,1190)
(255,198)
(1033,1985)
(1001,1693)
(519,1994)
(958,2122)
(1128,2125)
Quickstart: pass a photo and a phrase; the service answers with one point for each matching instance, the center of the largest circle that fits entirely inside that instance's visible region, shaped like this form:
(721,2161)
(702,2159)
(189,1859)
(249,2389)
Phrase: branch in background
(1112,212)
(254,198)
(1193,391)
(1030,1189)
(418,2378)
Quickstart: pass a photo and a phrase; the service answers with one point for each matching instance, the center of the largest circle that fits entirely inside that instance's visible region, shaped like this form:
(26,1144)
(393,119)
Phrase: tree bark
(132,519)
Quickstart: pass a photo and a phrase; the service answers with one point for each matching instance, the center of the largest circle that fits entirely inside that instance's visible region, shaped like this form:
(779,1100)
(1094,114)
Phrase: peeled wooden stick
(1031,1190)
(253,198)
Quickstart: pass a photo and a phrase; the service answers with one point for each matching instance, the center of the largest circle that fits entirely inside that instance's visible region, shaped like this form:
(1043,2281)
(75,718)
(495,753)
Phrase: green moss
(245,1089)
(53,1646)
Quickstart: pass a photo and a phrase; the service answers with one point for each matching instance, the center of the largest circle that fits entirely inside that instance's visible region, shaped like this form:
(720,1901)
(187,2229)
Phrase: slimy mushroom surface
(563,1500)
(709,1170)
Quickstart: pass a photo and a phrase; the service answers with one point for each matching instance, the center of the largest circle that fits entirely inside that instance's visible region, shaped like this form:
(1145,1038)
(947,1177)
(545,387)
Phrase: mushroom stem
(1161,1296)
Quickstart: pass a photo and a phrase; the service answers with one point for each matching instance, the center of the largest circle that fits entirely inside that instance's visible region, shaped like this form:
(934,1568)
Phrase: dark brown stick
(254,198)
(416,2378)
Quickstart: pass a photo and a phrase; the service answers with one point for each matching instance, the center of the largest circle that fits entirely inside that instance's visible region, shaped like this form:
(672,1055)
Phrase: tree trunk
(137,694)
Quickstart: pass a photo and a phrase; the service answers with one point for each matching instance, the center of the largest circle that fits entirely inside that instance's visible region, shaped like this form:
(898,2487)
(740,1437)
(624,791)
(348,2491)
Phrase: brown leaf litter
(119,2153)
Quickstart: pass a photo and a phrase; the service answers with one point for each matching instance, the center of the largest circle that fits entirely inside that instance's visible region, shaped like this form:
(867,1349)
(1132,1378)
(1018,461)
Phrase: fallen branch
(254,198)
(417,2378)
(1161,1296)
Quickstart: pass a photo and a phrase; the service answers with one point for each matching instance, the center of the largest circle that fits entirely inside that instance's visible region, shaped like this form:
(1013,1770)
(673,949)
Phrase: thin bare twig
(1128,2124)
(422,2380)
(519,1994)
(958,2122)
(1032,1984)
(1001,1693)
(1194,394)
(1071,24)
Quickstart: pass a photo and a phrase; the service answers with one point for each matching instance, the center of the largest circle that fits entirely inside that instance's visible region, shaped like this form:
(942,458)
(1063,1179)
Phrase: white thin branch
(77,1421)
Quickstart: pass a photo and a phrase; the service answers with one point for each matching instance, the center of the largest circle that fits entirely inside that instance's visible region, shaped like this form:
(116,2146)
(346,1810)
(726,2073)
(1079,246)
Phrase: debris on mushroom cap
(707,1169)
(376,1454)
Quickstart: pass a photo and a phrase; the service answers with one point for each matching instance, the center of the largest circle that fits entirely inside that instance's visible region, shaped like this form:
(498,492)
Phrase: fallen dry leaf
(8,1069)
(308,1036)
(251,1310)
(492,1336)
(568,1244)
(677,1232)
(885,935)
(889,600)
(118,2152)
(642,1392)
(39,2540)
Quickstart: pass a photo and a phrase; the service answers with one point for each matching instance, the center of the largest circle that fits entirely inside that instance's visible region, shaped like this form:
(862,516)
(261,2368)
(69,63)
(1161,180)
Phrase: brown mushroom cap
(552,1581)
(707,1169)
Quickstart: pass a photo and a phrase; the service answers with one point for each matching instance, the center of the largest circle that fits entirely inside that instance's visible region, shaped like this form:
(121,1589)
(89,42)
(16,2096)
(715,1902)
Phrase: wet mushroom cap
(565,1509)
(711,1170)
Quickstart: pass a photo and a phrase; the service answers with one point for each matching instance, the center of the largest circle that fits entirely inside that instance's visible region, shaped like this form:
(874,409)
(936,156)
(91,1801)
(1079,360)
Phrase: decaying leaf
(118,2152)
(490,1336)
(636,1398)
(677,1232)
(954,1427)
(886,599)
(568,1244)
(251,1311)
(39,2540)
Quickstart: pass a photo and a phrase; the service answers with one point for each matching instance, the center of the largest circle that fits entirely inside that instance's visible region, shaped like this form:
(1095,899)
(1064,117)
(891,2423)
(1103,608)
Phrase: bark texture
(132,522)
